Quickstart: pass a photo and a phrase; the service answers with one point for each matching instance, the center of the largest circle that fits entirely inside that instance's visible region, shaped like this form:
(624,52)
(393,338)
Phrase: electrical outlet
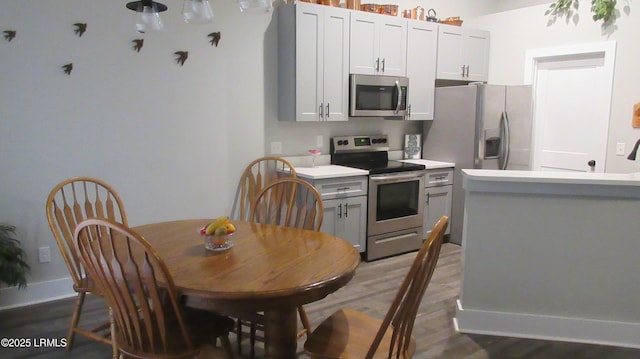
(276,148)
(620,149)
(44,254)
(319,141)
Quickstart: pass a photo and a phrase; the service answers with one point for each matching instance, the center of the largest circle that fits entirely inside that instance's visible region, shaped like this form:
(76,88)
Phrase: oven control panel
(359,143)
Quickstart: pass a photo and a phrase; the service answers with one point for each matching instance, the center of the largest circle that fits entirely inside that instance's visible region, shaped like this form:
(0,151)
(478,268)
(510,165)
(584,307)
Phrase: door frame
(534,57)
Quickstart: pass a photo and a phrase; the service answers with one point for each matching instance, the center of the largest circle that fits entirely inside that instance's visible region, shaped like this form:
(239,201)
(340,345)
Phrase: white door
(572,97)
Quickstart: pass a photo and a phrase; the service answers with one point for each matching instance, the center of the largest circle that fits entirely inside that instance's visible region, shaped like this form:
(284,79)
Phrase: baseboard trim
(35,293)
(519,325)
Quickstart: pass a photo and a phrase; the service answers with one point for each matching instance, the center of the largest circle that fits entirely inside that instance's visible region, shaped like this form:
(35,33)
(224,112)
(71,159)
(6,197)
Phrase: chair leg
(75,318)
(239,335)
(306,324)
(114,344)
(252,340)
(226,344)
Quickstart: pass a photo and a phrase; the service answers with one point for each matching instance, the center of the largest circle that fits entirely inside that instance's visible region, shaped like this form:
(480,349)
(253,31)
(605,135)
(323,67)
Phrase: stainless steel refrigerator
(479,126)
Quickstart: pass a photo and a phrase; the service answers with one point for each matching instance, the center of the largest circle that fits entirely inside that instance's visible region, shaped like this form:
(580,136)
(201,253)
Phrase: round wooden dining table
(270,269)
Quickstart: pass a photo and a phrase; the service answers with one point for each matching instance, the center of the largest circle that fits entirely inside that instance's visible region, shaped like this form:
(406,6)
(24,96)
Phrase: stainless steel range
(396,194)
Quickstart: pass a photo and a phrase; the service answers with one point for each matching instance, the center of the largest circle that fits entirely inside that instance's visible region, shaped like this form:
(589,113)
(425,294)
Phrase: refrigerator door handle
(505,141)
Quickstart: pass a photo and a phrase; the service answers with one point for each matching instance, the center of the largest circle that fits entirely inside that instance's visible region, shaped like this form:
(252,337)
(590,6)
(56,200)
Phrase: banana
(211,228)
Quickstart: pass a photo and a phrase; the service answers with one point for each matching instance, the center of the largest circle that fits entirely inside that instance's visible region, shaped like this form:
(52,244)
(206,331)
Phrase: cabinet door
(422,41)
(364,43)
(437,204)
(354,222)
(330,217)
(463,54)
(476,54)
(336,64)
(309,65)
(393,46)
(450,57)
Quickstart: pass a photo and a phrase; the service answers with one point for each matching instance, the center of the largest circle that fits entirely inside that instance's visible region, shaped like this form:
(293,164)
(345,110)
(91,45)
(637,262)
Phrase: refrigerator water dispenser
(491,143)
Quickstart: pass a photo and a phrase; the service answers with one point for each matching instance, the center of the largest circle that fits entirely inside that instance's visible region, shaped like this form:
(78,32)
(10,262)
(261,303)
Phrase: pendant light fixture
(255,6)
(148,15)
(197,11)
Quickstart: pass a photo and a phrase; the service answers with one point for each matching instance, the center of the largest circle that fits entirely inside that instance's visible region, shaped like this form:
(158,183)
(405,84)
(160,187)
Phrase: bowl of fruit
(217,234)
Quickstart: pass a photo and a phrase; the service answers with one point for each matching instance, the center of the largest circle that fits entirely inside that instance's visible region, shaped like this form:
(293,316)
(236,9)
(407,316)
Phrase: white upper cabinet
(313,49)
(463,54)
(378,44)
(422,43)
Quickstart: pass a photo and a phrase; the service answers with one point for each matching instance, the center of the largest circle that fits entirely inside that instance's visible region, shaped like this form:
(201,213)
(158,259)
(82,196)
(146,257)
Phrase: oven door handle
(396,177)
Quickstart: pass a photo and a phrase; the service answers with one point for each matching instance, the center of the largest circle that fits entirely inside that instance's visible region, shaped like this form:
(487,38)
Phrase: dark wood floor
(371,291)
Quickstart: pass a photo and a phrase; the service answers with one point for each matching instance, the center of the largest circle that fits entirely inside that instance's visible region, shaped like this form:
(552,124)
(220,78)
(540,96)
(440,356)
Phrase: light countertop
(329,171)
(615,179)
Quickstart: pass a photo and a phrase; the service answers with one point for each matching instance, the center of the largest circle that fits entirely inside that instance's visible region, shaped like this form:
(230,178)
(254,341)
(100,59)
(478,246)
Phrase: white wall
(515,32)
(172,140)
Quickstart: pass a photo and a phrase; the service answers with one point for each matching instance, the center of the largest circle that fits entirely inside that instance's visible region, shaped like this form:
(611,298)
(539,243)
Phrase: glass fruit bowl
(217,234)
(218,243)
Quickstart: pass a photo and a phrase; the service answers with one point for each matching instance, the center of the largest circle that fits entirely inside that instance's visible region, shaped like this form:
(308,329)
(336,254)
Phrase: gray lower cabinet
(347,219)
(345,208)
(437,202)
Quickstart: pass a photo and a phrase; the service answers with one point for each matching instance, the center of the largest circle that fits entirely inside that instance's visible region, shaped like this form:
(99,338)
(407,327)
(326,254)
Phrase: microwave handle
(399,96)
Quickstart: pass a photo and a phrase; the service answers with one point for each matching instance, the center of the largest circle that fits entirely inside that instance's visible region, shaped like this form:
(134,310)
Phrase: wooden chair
(352,334)
(70,202)
(258,174)
(288,202)
(150,322)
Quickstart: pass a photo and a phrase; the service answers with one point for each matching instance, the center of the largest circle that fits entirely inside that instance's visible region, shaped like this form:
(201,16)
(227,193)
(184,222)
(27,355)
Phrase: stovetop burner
(387,167)
(367,153)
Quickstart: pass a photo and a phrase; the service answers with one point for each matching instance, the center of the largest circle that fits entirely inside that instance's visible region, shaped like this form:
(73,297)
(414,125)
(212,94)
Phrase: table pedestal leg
(281,327)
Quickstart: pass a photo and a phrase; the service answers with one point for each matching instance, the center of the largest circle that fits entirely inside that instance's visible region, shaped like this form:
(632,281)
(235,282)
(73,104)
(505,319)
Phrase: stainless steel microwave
(374,95)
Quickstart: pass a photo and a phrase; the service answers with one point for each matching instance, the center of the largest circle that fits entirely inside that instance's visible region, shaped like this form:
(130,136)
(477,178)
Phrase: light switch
(276,148)
(44,254)
(620,149)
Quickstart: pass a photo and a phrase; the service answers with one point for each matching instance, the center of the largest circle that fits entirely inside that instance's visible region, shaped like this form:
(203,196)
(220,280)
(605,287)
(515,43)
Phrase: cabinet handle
(463,70)
(378,64)
(383,60)
(409,110)
(346,210)
(427,198)
(321,112)
(340,210)
(342,189)
(328,113)
(467,71)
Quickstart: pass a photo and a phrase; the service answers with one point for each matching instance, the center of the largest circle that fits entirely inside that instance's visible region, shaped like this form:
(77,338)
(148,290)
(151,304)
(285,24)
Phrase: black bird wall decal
(215,38)
(182,57)
(138,44)
(68,68)
(9,35)
(80,28)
